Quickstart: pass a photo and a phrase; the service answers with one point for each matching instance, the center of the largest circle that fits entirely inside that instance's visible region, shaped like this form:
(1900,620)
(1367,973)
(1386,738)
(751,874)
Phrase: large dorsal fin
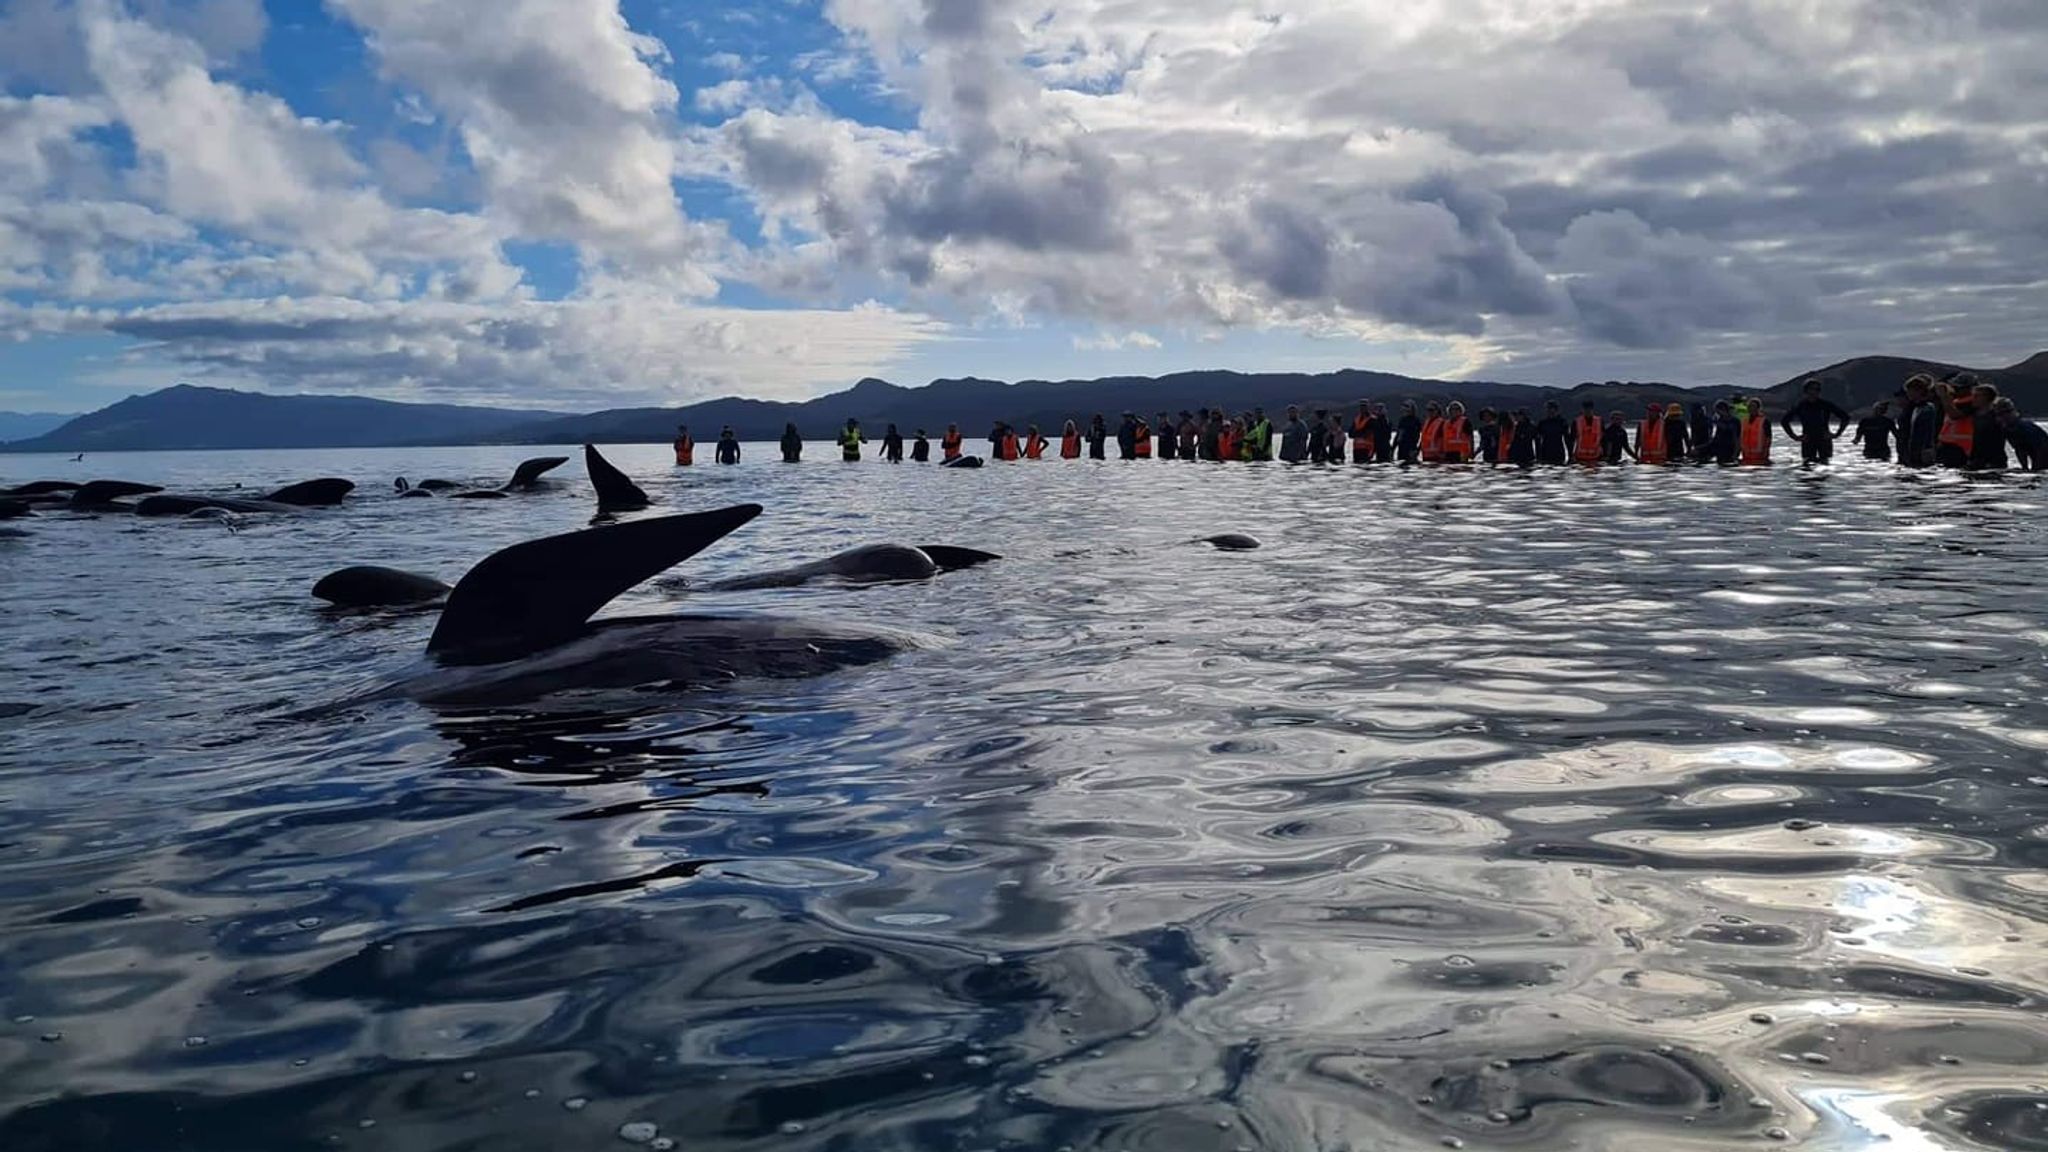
(539,594)
(616,492)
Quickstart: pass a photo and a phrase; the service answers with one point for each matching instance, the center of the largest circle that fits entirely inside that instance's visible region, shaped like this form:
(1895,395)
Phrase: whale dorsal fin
(616,492)
(536,595)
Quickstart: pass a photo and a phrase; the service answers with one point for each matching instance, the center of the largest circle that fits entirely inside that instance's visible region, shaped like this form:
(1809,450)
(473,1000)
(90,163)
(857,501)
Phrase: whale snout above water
(1231,542)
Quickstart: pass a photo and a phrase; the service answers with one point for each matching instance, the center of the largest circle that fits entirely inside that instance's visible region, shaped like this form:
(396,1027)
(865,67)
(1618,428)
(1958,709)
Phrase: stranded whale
(868,564)
(519,624)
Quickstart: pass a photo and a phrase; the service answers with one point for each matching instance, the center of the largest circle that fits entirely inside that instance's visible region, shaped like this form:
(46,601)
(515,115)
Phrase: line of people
(1956,423)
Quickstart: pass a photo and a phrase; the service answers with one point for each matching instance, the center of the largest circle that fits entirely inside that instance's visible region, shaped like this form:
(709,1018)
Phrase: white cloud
(1114,342)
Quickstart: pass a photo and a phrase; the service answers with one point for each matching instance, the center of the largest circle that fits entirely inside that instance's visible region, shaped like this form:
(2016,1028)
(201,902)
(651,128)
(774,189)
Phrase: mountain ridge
(188,416)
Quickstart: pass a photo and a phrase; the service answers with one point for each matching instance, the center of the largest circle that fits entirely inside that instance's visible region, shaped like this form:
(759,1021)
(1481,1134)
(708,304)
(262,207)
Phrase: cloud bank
(1543,189)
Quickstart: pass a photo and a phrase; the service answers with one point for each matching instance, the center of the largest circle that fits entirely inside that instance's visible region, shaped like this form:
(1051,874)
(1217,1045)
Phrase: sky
(595,203)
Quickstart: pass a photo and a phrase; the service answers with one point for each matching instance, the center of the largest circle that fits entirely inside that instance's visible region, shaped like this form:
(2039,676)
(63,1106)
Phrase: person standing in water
(1724,438)
(792,444)
(1489,431)
(1034,444)
(1454,436)
(1677,434)
(1168,436)
(1816,442)
(1127,438)
(1521,435)
(1430,449)
(1614,445)
(892,445)
(1702,433)
(1098,435)
(686,448)
(1756,435)
(949,444)
(1258,435)
(1293,437)
(1408,434)
(1002,442)
(2028,441)
(1874,432)
(1586,435)
(1653,444)
(728,446)
(921,449)
(1141,440)
(1551,431)
(1190,436)
(1070,442)
(849,441)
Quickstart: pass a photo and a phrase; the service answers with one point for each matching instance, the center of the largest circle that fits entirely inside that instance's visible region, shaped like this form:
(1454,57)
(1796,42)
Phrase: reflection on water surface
(1677,810)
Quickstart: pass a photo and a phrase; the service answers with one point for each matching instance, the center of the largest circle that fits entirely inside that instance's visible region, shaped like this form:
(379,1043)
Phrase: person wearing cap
(920,449)
(849,441)
(728,446)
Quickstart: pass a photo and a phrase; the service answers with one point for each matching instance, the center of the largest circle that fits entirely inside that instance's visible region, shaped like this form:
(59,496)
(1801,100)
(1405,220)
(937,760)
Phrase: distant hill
(22,425)
(190,417)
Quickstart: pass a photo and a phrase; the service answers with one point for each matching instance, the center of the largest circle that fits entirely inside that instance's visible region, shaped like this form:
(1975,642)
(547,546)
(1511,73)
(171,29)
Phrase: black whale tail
(529,472)
(536,595)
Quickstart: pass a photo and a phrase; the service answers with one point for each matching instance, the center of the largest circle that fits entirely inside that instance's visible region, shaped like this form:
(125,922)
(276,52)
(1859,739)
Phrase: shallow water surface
(1632,810)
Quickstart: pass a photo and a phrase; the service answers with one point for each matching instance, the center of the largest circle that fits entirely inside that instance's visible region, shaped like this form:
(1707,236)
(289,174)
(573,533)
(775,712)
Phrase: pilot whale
(519,624)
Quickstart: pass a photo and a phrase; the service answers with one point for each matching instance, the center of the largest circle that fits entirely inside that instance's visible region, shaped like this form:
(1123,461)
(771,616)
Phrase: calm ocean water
(1637,810)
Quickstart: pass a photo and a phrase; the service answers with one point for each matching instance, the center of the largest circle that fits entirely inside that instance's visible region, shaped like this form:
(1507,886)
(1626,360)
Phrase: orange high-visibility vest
(1586,444)
(1142,441)
(1034,448)
(1006,448)
(1070,445)
(1650,442)
(1361,436)
(1455,440)
(686,450)
(950,445)
(1756,440)
(1227,444)
(1432,439)
(1960,433)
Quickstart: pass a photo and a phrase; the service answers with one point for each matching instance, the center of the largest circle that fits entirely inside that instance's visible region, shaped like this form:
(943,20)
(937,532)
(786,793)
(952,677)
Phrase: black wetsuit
(728,450)
(792,448)
(1614,443)
(1382,439)
(1408,438)
(1212,437)
(921,450)
(892,447)
(1490,443)
(1127,440)
(2029,443)
(1987,443)
(1522,444)
(1875,434)
(1701,429)
(1725,447)
(1677,438)
(1922,435)
(1165,446)
(1550,434)
(1816,439)
(1097,436)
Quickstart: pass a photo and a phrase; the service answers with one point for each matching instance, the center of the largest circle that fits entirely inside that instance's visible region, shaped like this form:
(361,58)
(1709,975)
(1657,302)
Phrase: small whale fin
(529,472)
(950,559)
(536,595)
(615,492)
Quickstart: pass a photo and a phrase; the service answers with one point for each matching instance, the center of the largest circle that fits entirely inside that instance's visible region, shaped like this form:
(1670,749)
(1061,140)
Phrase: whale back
(539,594)
(322,493)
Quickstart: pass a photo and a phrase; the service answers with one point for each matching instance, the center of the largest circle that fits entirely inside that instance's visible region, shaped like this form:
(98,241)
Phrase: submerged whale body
(11,509)
(615,491)
(41,488)
(370,586)
(870,563)
(165,504)
(104,495)
(1232,542)
(322,493)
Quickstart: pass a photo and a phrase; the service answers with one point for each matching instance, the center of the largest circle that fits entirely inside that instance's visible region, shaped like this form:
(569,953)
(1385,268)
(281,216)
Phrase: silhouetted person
(792,444)
(728,446)
(1550,435)
(920,449)
(1875,432)
(1812,412)
(892,445)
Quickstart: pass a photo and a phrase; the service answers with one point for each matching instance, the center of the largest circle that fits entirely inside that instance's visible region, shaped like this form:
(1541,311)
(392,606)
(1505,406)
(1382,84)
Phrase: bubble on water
(638,1132)
(52,1037)
(309,921)
(195,1041)
(662,1144)
(467,1077)
(792,1128)
(576,1103)
(976,1061)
